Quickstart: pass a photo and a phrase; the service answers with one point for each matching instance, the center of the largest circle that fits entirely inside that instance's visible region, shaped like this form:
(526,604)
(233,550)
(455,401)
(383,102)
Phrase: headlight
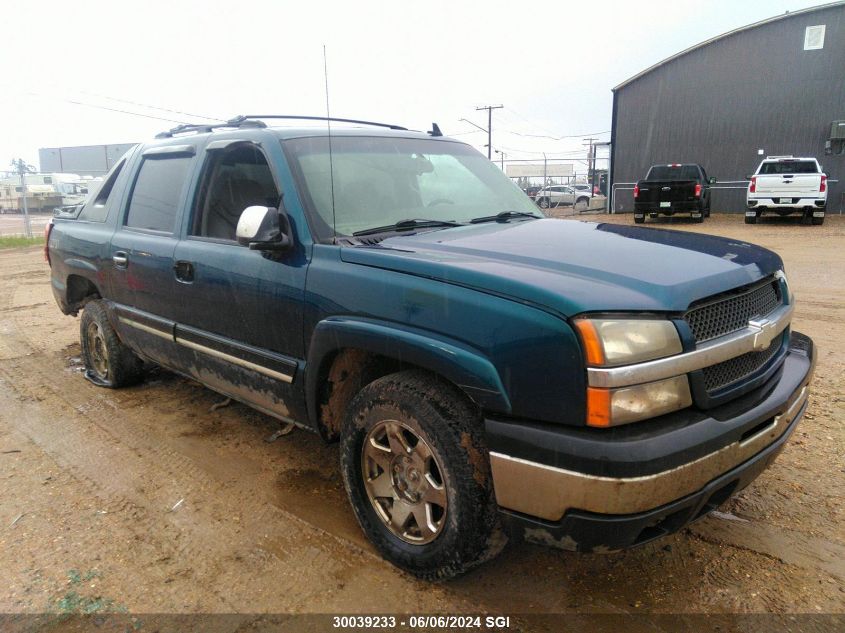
(611,407)
(610,342)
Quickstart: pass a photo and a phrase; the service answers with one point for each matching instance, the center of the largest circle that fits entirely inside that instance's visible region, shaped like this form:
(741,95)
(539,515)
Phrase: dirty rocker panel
(259,360)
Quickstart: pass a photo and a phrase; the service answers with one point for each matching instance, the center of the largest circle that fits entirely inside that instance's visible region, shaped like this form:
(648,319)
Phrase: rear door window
(96,208)
(157,193)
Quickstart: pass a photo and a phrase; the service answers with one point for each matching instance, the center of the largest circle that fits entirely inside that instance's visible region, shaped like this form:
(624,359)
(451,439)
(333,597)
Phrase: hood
(571,267)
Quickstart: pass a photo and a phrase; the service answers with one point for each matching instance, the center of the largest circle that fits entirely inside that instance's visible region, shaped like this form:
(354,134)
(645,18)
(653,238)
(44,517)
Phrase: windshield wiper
(403,225)
(504,215)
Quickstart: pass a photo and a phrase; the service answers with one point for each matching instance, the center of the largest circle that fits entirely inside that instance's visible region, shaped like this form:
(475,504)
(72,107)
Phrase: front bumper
(602,490)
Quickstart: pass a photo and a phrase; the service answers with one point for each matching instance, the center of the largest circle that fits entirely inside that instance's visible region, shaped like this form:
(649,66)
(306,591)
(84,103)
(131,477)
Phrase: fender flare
(457,362)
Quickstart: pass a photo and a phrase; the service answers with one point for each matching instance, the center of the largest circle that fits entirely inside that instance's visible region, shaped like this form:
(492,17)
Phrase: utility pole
(22,170)
(502,154)
(591,162)
(490,109)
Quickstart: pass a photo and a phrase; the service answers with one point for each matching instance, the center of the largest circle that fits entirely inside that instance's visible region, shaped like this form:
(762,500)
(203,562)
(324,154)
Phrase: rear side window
(789,167)
(157,193)
(96,209)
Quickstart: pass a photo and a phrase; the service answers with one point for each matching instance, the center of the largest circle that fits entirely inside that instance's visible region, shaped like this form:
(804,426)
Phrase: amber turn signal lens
(592,343)
(598,407)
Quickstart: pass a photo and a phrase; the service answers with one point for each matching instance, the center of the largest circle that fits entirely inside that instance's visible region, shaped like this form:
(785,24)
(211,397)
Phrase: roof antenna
(331,162)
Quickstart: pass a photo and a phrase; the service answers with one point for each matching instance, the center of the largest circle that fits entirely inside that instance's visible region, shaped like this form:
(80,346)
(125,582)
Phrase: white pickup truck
(784,185)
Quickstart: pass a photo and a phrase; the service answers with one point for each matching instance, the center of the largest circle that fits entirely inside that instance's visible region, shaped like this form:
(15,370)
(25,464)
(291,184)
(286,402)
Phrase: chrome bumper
(547,492)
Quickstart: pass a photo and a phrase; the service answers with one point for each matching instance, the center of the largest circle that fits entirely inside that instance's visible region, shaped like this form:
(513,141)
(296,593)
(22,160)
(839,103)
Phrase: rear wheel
(108,362)
(751,219)
(417,473)
(818,221)
(543,203)
(639,218)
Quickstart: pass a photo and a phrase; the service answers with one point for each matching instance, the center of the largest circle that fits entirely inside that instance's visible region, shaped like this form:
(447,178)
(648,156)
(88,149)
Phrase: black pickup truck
(485,369)
(671,189)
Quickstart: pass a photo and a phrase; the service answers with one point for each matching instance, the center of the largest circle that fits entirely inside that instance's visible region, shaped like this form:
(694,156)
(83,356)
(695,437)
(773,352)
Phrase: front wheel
(582,204)
(543,203)
(108,362)
(416,469)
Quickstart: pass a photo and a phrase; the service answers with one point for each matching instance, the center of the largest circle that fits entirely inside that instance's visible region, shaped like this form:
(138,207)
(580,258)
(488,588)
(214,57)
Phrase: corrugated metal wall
(719,104)
(93,160)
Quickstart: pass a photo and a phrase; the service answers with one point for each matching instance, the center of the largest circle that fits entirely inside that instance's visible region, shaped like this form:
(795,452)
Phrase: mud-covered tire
(108,362)
(437,413)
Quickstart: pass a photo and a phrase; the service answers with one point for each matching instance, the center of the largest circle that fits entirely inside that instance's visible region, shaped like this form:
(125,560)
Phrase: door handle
(120,259)
(184,271)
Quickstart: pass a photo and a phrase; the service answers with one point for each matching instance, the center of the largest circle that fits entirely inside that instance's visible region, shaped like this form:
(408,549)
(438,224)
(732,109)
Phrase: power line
(152,107)
(555,138)
(102,107)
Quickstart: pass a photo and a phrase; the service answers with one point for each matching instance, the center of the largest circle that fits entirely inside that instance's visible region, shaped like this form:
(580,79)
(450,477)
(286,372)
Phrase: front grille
(731,311)
(731,371)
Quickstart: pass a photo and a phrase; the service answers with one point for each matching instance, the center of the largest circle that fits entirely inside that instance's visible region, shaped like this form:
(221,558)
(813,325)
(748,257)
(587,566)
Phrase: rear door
(239,311)
(142,249)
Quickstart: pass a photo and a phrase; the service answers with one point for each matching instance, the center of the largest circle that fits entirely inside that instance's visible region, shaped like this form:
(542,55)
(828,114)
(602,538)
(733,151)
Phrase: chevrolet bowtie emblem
(765,333)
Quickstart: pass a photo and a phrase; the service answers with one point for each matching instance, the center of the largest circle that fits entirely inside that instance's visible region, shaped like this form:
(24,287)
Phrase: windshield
(379,181)
(789,167)
(673,172)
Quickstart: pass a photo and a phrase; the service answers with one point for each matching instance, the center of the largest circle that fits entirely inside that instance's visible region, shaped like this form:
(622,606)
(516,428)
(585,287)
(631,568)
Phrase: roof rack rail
(203,128)
(244,117)
(252,121)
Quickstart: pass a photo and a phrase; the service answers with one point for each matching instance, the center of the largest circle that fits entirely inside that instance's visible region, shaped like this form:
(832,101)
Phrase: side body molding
(455,361)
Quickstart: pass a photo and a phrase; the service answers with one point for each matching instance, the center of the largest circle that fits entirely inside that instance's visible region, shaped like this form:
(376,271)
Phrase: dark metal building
(776,87)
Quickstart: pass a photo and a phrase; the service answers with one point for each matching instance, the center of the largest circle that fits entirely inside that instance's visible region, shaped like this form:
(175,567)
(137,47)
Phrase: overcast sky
(551,64)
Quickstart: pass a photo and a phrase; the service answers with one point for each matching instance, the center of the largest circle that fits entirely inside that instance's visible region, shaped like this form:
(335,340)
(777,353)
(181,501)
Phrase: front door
(240,311)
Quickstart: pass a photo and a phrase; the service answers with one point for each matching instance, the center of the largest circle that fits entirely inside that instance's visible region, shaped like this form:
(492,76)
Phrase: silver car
(563,195)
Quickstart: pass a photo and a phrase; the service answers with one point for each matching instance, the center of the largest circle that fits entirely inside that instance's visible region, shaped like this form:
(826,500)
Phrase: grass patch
(20,242)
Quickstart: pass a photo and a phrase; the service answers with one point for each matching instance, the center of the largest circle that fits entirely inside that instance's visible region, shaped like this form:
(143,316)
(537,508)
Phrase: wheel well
(79,292)
(342,375)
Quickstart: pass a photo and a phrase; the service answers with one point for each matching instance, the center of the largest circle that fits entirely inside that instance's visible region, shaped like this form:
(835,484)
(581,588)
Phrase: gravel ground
(144,500)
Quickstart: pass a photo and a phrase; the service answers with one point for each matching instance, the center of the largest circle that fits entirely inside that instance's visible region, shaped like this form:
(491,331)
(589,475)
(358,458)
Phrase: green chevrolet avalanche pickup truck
(487,371)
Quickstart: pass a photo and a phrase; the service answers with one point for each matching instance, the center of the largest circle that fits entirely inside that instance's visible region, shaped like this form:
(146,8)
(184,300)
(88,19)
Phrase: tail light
(636,191)
(823,186)
(753,187)
(697,190)
(47,229)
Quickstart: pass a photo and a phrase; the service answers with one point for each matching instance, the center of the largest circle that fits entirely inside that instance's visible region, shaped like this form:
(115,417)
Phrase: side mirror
(711,180)
(264,229)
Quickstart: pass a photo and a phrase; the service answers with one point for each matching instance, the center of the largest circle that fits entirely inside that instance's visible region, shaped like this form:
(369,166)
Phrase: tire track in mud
(135,474)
